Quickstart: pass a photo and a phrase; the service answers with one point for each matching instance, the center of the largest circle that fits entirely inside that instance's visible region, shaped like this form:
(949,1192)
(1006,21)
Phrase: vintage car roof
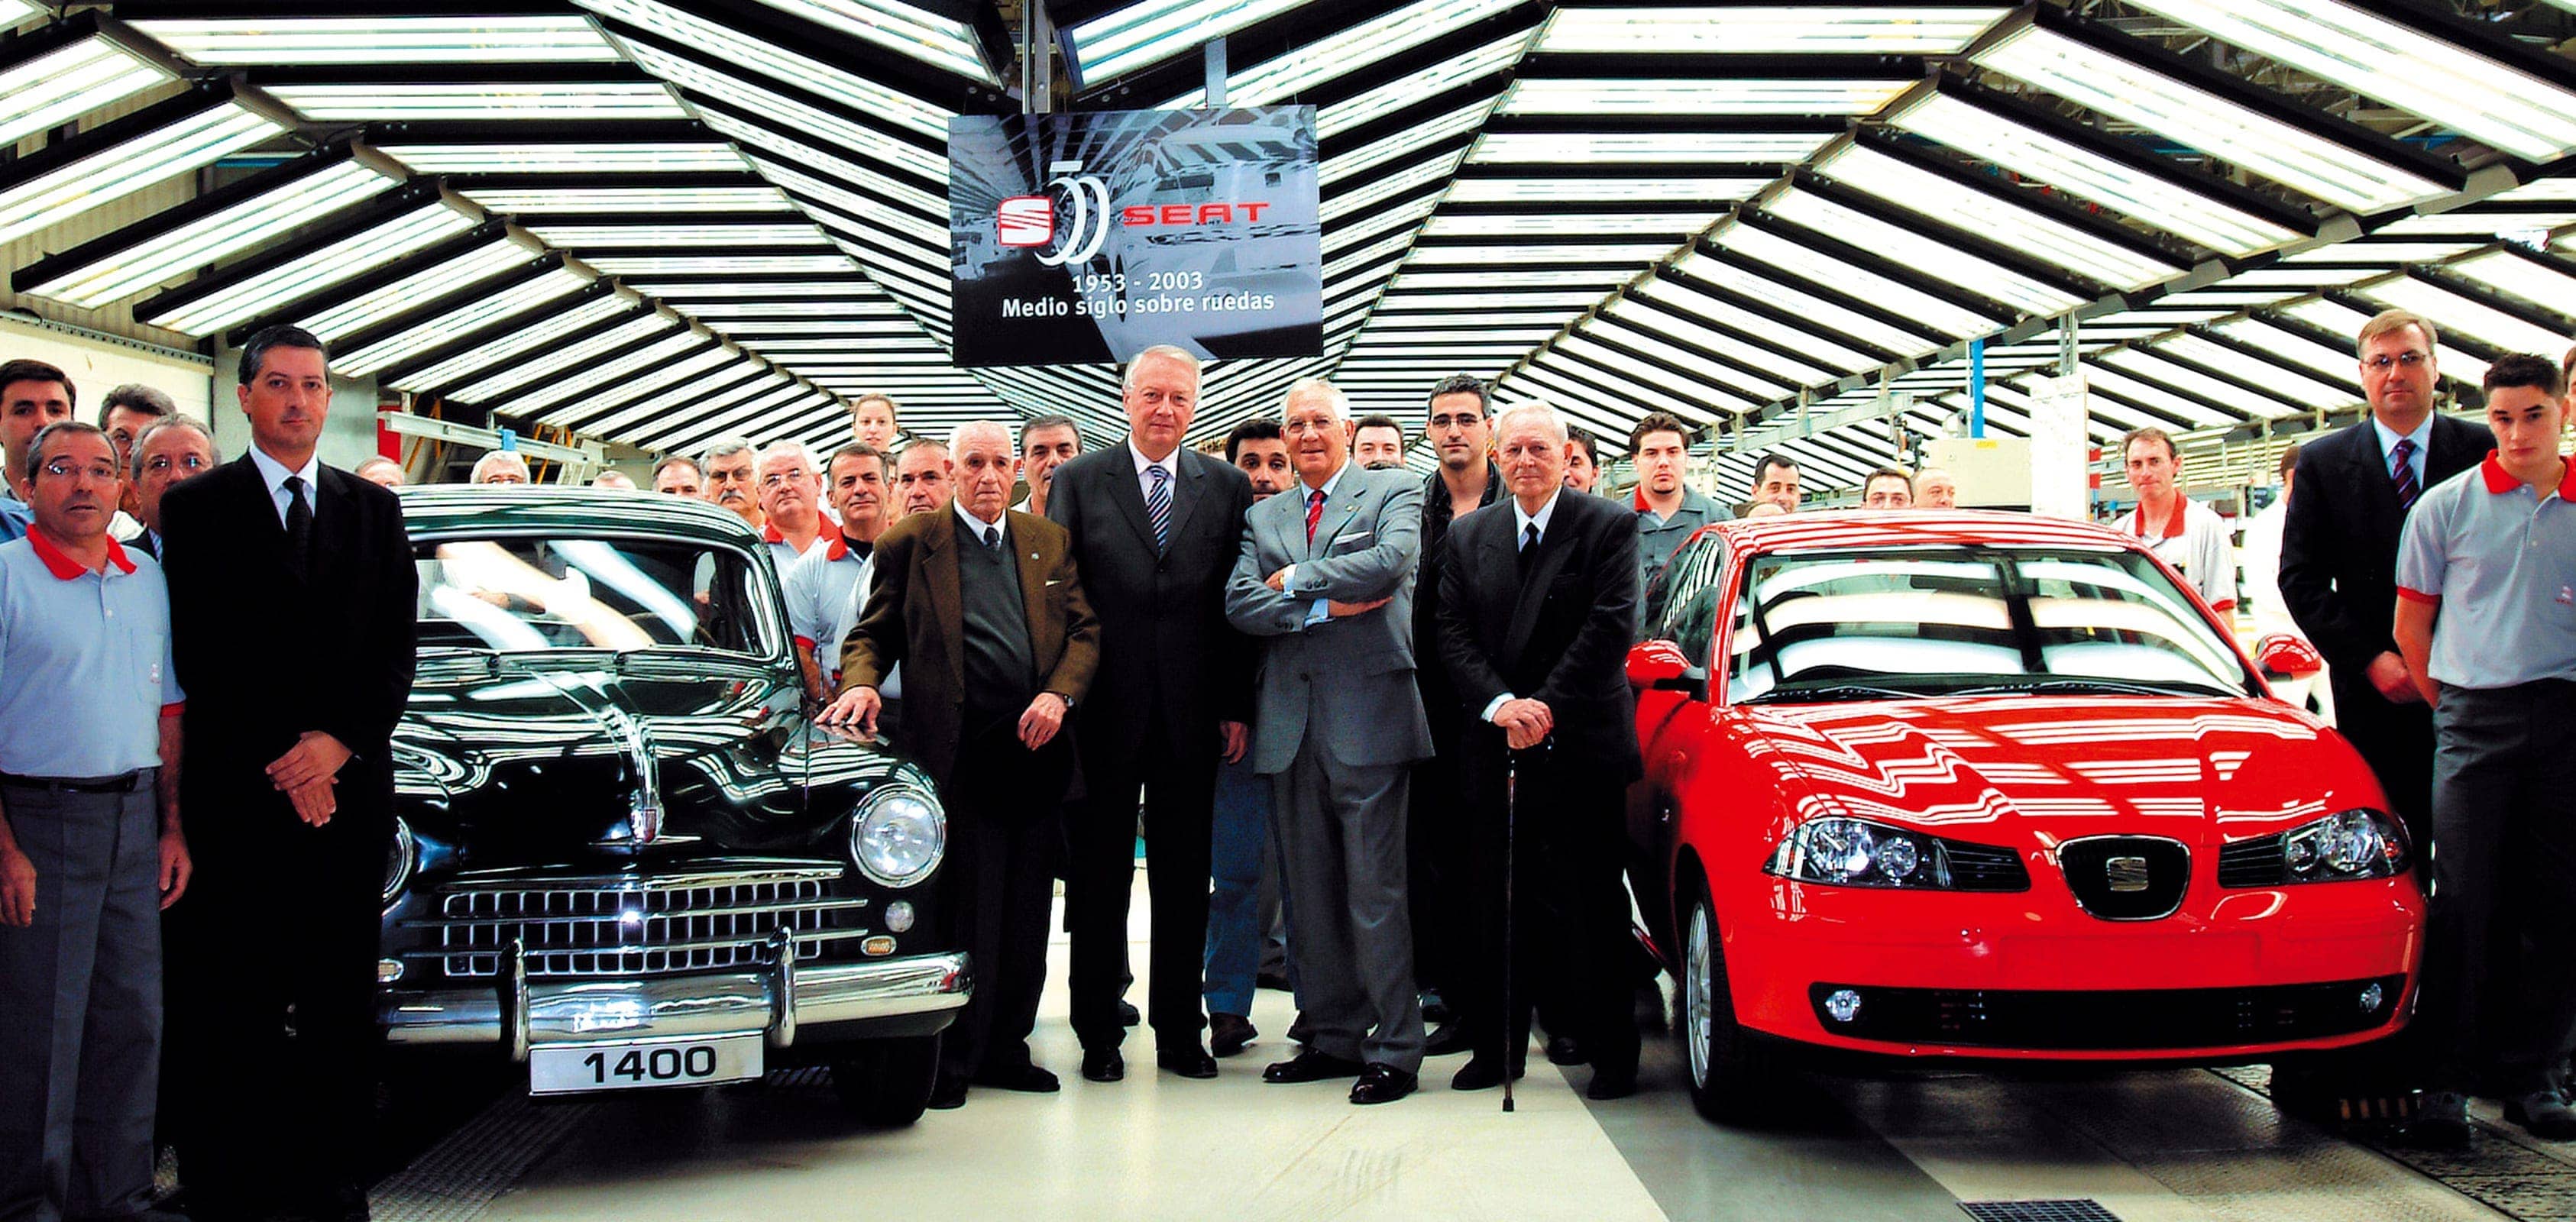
(1846,528)
(521,507)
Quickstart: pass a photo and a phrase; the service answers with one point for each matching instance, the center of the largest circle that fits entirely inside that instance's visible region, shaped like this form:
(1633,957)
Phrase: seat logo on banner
(1029,220)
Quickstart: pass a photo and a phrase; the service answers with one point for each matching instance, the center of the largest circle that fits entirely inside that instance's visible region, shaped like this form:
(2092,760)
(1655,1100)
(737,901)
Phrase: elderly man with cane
(1537,602)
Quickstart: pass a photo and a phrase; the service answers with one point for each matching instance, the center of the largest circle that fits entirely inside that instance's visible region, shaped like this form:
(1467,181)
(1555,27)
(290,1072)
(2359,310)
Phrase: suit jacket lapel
(2379,492)
(1187,491)
(947,601)
(1339,509)
(266,531)
(1554,548)
(1126,488)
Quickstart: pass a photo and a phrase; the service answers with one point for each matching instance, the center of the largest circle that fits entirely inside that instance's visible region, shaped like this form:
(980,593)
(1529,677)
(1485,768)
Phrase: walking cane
(1511,829)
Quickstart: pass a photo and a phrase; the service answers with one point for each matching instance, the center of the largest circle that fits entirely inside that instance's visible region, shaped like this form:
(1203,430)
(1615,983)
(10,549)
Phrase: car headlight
(400,857)
(2346,845)
(898,835)
(1859,853)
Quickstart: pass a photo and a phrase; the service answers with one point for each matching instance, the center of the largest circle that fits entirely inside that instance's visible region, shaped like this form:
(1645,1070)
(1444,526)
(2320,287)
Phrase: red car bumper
(2028,975)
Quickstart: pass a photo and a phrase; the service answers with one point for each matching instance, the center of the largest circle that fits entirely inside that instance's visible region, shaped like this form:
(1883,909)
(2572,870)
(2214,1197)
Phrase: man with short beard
(731,482)
(792,519)
(1668,511)
(921,475)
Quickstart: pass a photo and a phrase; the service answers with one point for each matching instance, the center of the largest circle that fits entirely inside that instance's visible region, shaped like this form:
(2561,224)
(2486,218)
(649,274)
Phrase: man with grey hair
(1325,578)
(1156,527)
(170,450)
(614,480)
(1046,443)
(1538,604)
(383,472)
(730,483)
(499,467)
(791,502)
(921,475)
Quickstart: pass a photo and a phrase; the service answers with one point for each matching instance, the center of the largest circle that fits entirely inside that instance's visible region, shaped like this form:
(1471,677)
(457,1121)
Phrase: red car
(1988,786)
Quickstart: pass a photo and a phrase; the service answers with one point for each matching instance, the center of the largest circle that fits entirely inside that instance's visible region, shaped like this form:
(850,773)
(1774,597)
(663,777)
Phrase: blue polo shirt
(2500,559)
(85,666)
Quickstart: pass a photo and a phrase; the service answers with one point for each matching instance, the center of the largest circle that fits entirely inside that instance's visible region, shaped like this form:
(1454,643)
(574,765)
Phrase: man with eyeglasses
(169,451)
(2339,552)
(791,490)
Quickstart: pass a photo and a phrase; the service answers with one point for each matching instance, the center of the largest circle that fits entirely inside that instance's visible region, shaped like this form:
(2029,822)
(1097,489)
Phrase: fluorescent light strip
(2274,380)
(1378,225)
(1364,108)
(1595,190)
(2149,363)
(2457,314)
(900,28)
(769,106)
(685,265)
(684,397)
(2193,412)
(415,340)
(14,12)
(2291,347)
(724,44)
(2481,224)
(2042,237)
(1802,305)
(1535,251)
(1701,96)
(2376,253)
(1671,224)
(1385,321)
(503,381)
(2519,277)
(2149,199)
(1635,316)
(128,166)
(519,342)
(1357,46)
(913,205)
(492,101)
(540,200)
(1931,310)
(68,82)
(830,346)
(1735,380)
(646,383)
(1393,186)
(804,234)
(1493,293)
(382,40)
(2134,93)
(779,398)
(1675,148)
(378,304)
(1129,38)
(174,253)
(1400,297)
(763,327)
(315,271)
(1379,251)
(1412,139)
(1781,29)
(1935,258)
(713,312)
(600,375)
(597,158)
(865,298)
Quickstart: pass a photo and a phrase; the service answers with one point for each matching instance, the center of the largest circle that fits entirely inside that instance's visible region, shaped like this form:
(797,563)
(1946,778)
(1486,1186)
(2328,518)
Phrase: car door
(1685,622)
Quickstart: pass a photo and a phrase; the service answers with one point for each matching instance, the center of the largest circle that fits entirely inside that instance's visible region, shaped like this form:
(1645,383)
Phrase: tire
(1727,1071)
(887,1083)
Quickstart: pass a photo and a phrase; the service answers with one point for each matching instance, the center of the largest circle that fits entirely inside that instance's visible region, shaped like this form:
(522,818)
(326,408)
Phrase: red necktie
(1314,514)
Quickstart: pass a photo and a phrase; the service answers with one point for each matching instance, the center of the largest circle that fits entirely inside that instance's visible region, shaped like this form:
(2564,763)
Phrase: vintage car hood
(535,763)
(2033,771)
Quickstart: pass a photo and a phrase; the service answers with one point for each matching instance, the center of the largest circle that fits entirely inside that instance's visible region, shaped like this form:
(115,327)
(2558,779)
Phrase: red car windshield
(1942,621)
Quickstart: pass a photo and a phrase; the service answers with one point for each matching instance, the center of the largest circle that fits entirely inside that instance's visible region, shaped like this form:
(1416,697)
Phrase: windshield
(1969,621)
(533,594)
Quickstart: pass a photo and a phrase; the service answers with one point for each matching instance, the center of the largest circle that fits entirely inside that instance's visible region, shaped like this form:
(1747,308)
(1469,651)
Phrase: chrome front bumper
(776,1001)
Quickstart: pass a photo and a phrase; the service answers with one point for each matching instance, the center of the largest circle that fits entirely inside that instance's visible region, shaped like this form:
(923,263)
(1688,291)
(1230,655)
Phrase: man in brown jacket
(983,608)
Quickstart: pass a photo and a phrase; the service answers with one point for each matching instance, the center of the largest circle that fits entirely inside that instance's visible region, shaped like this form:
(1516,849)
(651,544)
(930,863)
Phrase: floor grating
(2504,1169)
(2070,1210)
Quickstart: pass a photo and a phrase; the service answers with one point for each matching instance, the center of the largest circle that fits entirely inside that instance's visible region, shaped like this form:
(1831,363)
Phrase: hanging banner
(2060,479)
(1090,237)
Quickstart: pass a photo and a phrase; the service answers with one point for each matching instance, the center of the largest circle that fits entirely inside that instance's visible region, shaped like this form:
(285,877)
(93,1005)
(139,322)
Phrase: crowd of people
(1320,685)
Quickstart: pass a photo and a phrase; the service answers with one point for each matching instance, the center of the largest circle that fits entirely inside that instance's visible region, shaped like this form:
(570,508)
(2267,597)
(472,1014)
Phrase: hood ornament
(644,804)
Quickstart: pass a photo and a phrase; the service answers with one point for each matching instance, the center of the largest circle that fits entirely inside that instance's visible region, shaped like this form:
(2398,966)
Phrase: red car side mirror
(2281,655)
(1660,666)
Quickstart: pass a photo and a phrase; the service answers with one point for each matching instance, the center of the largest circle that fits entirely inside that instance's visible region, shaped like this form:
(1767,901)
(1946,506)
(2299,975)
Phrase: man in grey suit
(1326,580)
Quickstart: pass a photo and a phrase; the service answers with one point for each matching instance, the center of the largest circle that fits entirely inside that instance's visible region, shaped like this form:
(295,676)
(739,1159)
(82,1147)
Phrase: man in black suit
(1538,604)
(2339,552)
(291,596)
(1155,531)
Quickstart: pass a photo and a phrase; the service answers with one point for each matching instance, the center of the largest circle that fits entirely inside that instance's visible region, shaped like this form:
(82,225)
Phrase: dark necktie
(1529,547)
(1158,505)
(993,537)
(2402,473)
(1314,514)
(299,523)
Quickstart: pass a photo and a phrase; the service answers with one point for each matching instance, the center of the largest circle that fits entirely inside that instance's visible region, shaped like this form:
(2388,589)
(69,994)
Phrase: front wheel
(887,1082)
(1727,1071)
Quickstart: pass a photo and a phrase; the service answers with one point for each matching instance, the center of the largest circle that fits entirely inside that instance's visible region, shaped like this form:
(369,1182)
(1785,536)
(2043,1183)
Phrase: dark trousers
(80,1006)
(2500,955)
(1180,795)
(2396,740)
(1435,858)
(1568,920)
(273,1032)
(1001,857)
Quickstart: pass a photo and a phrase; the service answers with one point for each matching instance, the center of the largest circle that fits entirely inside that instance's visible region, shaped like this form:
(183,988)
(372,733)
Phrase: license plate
(643,1063)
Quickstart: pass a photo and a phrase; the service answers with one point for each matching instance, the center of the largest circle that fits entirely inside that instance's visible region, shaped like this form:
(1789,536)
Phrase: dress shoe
(1610,1083)
(1312,1066)
(1298,1031)
(1383,1084)
(947,1093)
(1127,1015)
(1228,1033)
(2441,1122)
(1484,1073)
(2543,1114)
(1190,1062)
(1565,1050)
(1445,1041)
(1103,1065)
(1028,1079)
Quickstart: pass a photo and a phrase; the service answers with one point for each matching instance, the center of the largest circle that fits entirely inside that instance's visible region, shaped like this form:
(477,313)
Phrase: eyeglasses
(1455,422)
(161,464)
(63,468)
(2410,358)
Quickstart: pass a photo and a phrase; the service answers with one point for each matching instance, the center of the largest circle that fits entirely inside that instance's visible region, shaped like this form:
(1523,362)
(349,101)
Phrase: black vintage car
(626,858)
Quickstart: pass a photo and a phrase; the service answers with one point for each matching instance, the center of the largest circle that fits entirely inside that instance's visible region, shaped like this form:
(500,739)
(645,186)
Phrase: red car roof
(1843,528)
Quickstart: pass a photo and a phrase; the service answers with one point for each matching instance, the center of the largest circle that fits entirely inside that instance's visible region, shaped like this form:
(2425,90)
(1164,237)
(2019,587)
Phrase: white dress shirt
(275,473)
(2422,437)
(1170,463)
(1522,520)
(975,526)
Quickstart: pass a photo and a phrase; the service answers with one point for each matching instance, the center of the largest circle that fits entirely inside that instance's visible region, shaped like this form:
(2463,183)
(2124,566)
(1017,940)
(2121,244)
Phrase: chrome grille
(631,929)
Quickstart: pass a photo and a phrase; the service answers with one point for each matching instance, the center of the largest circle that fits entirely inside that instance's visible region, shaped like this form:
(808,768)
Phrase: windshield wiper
(1831,692)
(2092,686)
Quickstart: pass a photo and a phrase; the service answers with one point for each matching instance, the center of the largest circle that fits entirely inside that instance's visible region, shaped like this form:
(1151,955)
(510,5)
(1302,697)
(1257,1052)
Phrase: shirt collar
(974,525)
(2499,481)
(1308,494)
(2172,527)
(2422,436)
(274,473)
(1522,519)
(1171,462)
(65,568)
(1690,502)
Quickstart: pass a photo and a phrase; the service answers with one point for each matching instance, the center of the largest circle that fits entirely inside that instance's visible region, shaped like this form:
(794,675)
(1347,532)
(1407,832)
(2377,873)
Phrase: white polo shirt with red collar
(783,554)
(826,590)
(2500,559)
(2193,539)
(86,656)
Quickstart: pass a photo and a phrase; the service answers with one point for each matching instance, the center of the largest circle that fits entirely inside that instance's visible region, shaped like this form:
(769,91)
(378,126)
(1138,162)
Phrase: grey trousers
(1340,833)
(80,1007)
(2500,947)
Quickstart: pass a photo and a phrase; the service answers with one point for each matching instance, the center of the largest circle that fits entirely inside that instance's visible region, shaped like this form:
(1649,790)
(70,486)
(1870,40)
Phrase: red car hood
(2033,771)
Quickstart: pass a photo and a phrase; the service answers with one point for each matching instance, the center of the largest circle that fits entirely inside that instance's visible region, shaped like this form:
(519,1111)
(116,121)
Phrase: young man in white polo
(2182,532)
(2486,621)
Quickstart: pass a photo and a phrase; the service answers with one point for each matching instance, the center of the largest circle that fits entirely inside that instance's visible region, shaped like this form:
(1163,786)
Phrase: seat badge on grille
(644,819)
(2126,873)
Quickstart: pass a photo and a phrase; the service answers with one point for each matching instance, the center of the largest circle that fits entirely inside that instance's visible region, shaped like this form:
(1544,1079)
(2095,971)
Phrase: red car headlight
(2342,847)
(1844,852)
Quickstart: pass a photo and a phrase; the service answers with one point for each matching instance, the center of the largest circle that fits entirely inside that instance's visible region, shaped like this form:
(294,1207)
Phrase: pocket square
(1357,534)
(1055,581)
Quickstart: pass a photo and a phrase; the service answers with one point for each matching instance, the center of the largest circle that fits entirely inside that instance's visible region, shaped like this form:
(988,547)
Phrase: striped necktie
(2402,473)
(1158,505)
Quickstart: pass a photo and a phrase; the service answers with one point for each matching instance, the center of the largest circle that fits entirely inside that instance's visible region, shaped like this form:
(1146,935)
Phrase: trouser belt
(132,782)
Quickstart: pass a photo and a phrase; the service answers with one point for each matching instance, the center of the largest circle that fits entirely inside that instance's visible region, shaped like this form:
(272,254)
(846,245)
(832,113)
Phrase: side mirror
(2281,656)
(1660,667)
